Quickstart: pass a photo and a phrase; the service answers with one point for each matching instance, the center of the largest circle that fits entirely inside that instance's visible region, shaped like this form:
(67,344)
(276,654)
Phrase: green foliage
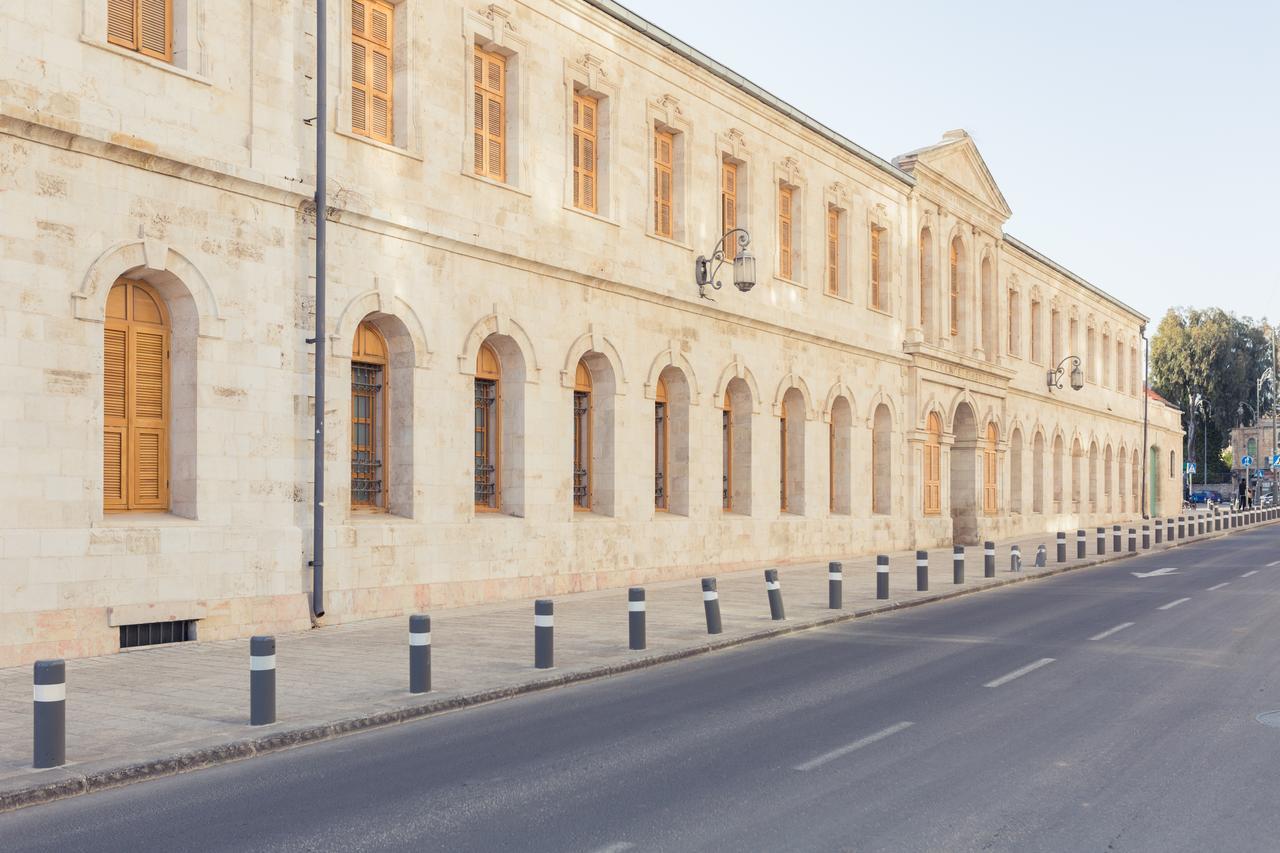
(1217,354)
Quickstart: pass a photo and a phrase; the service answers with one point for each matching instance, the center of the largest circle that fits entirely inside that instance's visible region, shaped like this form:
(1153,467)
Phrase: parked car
(1204,497)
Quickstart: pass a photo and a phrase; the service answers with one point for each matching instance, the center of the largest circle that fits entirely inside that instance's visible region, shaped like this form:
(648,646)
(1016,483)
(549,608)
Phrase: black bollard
(1062,546)
(957,564)
(544,634)
(835,586)
(1115,538)
(711,604)
(882,576)
(1146,537)
(49,714)
(635,619)
(419,653)
(922,571)
(774,590)
(1133,541)
(1102,541)
(1080,544)
(262,680)
(1159,527)
(988,559)
(1015,558)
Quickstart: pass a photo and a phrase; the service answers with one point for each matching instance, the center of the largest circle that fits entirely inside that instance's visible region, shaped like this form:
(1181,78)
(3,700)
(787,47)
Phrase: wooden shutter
(122,23)
(989,472)
(142,25)
(933,467)
(955,287)
(489,74)
(586,117)
(833,250)
(729,205)
(372,67)
(875,268)
(664,144)
(135,465)
(784,231)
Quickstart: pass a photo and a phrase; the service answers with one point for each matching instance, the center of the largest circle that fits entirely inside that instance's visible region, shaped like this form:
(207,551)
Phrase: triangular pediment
(955,161)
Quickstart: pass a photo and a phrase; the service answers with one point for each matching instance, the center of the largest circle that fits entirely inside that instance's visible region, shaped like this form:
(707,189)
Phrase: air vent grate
(157,633)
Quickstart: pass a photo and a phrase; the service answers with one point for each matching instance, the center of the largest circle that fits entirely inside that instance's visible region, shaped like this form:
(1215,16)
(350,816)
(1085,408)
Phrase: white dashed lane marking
(850,747)
(1218,585)
(1107,633)
(1018,673)
(1172,604)
(1249,574)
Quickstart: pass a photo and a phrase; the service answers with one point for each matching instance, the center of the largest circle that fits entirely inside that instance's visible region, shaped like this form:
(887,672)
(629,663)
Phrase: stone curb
(237,750)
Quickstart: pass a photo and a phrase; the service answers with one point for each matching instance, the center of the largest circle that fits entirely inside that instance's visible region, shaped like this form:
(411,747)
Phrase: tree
(1217,354)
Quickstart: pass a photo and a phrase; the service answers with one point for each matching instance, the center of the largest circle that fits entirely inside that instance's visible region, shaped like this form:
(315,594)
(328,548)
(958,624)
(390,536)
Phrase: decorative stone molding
(839,389)
(791,380)
(671,357)
(737,370)
(592,341)
(498,324)
(380,299)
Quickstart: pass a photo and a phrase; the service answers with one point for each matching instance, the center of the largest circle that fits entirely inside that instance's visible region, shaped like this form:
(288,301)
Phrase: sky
(1138,143)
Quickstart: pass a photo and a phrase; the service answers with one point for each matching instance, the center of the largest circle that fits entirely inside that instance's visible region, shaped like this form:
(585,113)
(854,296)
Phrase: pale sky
(1138,143)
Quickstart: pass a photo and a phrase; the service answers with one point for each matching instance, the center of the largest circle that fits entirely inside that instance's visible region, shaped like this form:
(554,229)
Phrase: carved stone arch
(791,380)
(964,395)
(671,357)
(377,301)
(156,263)
(1056,434)
(1015,425)
(1091,322)
(839,389)
(932,405)
(881,398)
(498,324)
(737,370)
(1037,292)
(958,232)
(1073,312)
(991,416)
(592,341)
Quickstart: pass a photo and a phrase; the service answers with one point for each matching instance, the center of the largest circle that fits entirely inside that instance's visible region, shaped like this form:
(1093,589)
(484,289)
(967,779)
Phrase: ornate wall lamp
(1054,376)
(744,265)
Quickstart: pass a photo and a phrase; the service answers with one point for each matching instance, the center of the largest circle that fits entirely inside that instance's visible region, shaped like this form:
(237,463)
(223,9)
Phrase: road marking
(1249,574)
(616,847)
(1154,573)
(850,747)
(1107,633)
(1018,673)
(1172,604)
(1218,585)
(1273,564)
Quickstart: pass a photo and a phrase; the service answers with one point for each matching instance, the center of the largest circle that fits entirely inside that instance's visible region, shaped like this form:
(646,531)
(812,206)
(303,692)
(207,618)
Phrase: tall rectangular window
(664,147)
(726,453)
(488,430)
(833,250)
(729,205)
(135,442)
(786,248)
(489,75)
(1055,337)
(933,466)
(368,419)
(990,472)
(142,25)
(1015,323)
(586,115)
(877,270)
(582,439)
(661,441)
(1035,331)
(955,287)
(782,460)
(371,68)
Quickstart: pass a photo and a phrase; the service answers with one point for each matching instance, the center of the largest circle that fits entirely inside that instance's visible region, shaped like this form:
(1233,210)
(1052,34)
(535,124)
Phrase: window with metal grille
(486,437)
(782,460)
(582,439)
(366,426)
(157,633)
(661,428)
(726,453)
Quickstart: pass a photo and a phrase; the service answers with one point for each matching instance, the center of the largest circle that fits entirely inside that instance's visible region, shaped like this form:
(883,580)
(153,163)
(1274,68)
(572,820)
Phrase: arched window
(1077,478)
(955,286)
(726,453)
(735,419)
(791,457)
(926,283)
(1015,472)
(1107,471)
(661,448)
(582,404)
(1058,464)
(1173,471)
(488,427)
(1122,486)
(990,473)
(933,466)
(881,461)
(989,344)
(1093,477)
(839,445)
(135,384)
(1037,474)
(369,419)
(782,459)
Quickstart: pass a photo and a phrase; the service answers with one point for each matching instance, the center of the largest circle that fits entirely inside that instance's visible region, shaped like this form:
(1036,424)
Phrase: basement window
(157,633)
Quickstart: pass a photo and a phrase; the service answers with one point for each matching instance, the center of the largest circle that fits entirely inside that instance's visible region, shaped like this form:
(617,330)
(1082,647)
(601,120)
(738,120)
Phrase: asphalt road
(998,721)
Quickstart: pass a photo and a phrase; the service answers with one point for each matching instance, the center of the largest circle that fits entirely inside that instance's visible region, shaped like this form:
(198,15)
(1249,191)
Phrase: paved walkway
(148,705)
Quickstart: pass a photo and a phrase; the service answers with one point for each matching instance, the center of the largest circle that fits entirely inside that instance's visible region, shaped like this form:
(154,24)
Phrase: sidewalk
(156,711)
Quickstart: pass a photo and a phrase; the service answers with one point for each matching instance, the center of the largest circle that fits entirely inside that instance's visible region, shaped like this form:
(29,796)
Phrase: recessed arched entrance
(964,481)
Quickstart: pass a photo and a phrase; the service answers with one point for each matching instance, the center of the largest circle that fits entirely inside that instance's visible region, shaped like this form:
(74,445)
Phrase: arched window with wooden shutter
(990,472)
(489,119)
(726,453)
(661,444)
(933,466)
(369,391)
(142,25)
(135,440)
(372,67)
(582,405)
(586,154)
(488,430)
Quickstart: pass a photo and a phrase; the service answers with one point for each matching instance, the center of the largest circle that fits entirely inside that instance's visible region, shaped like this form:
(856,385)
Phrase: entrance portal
(964,480)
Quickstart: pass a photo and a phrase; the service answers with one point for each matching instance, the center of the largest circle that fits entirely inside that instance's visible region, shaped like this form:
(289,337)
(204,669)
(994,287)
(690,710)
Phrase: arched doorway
(964,484)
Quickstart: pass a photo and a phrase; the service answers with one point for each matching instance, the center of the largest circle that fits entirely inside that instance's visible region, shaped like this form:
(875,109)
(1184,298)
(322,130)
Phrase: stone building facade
(527,395)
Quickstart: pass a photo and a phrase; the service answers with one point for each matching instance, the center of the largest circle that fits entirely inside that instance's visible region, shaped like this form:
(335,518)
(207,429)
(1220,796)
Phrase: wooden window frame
(586,152)
(1015,342)
(135,41)
(726,451)
(663,169)
(835,257)
(990,472)
(661,449)
(1035,351)
(786,199)
(583,429)
(933,465)
(129,425)
(485,98)
(783,497)
(489,369)
(729,189)
(361,355)
(362,80)
(875,248)
(954,260)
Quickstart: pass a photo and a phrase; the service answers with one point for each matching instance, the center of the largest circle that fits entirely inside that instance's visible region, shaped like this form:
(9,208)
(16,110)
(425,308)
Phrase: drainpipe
(317,496)
(1146,405)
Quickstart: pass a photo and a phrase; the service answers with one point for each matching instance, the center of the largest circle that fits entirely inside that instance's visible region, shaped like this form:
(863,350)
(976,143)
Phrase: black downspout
(317,496)
(1146,403)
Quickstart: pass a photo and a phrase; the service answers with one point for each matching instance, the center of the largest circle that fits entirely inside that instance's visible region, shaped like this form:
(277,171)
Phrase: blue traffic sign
(1246,461)
(1191,467)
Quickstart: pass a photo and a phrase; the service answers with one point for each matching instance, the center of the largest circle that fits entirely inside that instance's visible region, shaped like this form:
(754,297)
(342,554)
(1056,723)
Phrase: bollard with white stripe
(635,619)
(544,633)
(262,680)
(922,571)
(1217,520)
(419,653)
(835,586)
(1146,537)
(1182,527)
(1115,538)
(1169,530)
(1159,531)
(1062,546)
(1080,544)
(957,564)
(774,590)
(988,559)
(711,604)
(49,694)
(1041,556)
(1102,540)
(882,576)
(1015,558)
(1133,540)
(1200,524)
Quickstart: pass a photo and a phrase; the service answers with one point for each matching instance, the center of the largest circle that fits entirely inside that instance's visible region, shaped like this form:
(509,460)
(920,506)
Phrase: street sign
(1246,461)
(1275,460)
(1191,467)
